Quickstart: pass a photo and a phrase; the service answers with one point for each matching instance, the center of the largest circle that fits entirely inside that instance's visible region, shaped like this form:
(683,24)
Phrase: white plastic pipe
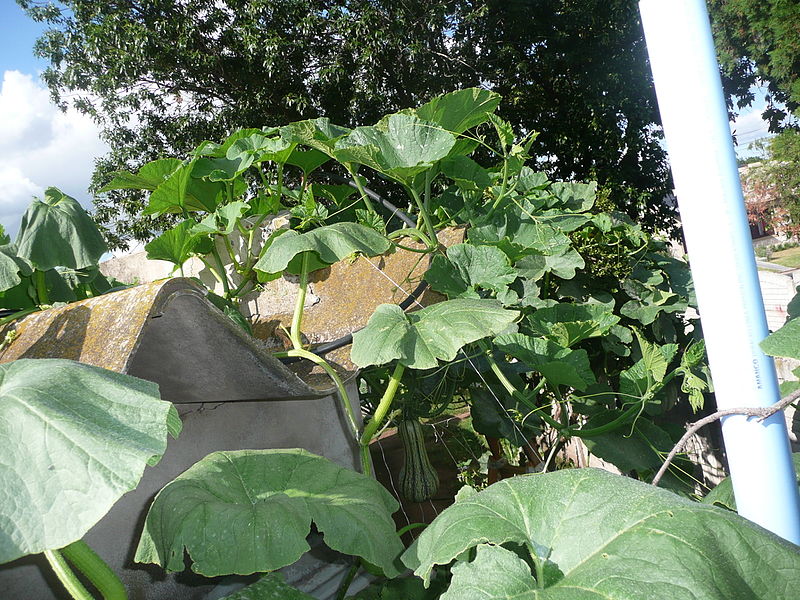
(703,161)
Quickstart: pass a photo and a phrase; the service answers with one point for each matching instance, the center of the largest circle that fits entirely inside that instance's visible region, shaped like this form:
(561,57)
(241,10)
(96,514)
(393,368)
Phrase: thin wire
(391,482)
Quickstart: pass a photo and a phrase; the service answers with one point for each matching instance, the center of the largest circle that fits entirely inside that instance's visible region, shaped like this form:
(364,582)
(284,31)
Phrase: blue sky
(17,36)
(41,146)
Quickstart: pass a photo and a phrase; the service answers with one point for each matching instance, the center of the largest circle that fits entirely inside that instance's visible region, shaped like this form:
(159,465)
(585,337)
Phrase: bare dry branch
(761,413)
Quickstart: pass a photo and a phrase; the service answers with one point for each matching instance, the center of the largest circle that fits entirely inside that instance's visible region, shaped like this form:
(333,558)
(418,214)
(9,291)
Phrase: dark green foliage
(194,71)
(759,41)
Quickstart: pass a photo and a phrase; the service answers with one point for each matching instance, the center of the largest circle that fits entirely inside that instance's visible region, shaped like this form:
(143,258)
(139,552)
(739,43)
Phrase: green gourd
(418,478)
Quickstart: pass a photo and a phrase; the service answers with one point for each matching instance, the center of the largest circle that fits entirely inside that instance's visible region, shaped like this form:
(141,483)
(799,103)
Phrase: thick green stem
(239,291)
(229,248)
(41,288)
(318,360)
(95,569)
(503,187)
(426,201)
(279,191)
(361,190)
(539,566)
(212,269)
(297,318)
(425,217)
(348,579)
(380,414)
(18,315)
(223,275)
(251,260)
(65,575)
(409,527)
(412,232)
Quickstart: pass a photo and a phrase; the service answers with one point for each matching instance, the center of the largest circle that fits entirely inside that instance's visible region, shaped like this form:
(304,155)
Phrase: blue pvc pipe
(703,161)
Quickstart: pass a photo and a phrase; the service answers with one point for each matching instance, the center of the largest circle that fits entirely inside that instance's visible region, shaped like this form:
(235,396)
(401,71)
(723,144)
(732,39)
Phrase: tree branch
(761,413)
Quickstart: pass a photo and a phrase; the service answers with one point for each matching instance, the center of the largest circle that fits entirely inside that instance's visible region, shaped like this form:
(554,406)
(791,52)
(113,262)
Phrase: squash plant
(559,318)
(597,346)
(76,438)
(54,258)
(586,533)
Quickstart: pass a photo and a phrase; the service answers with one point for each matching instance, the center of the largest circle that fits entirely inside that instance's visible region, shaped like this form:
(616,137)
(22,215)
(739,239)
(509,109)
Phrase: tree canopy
(759,41)
(163,75)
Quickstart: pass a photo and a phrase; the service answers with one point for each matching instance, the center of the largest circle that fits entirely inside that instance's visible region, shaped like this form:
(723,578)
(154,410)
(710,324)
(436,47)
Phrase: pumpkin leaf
(421,338)
(182,192)
(329,244)
(467,174)
(785,342)
(257,148)
(568,324)
(178,244)
(57,232)
(557,364)
(250,511)
(223,220)
(149,177)
(75,439)
(600,535)
(12,267)
(469,267)
(307,160)
(271,586)
(400,146)
(319,134)
(579,197)
(460,110)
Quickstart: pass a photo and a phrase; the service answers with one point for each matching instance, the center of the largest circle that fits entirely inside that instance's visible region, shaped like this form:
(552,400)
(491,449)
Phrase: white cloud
(41,147)
(749,125)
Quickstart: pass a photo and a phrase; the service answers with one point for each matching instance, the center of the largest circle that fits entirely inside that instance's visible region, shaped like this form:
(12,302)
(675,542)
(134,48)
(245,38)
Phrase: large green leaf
(461,110)
(258,147)
(149,177)
(579,197)
(57,232)
(602,536)
(468,267)
(182,192)
(785,342)
(559,365)
(220,168)
(178,244)
(319,134)
(223,220)
(75,439)
(568,324)
(420,339)
(12,267)
(520,233)
(250,511)
(307,160)
(270,587)
(400,146)
(467,174)
(640,446)
(330,244)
